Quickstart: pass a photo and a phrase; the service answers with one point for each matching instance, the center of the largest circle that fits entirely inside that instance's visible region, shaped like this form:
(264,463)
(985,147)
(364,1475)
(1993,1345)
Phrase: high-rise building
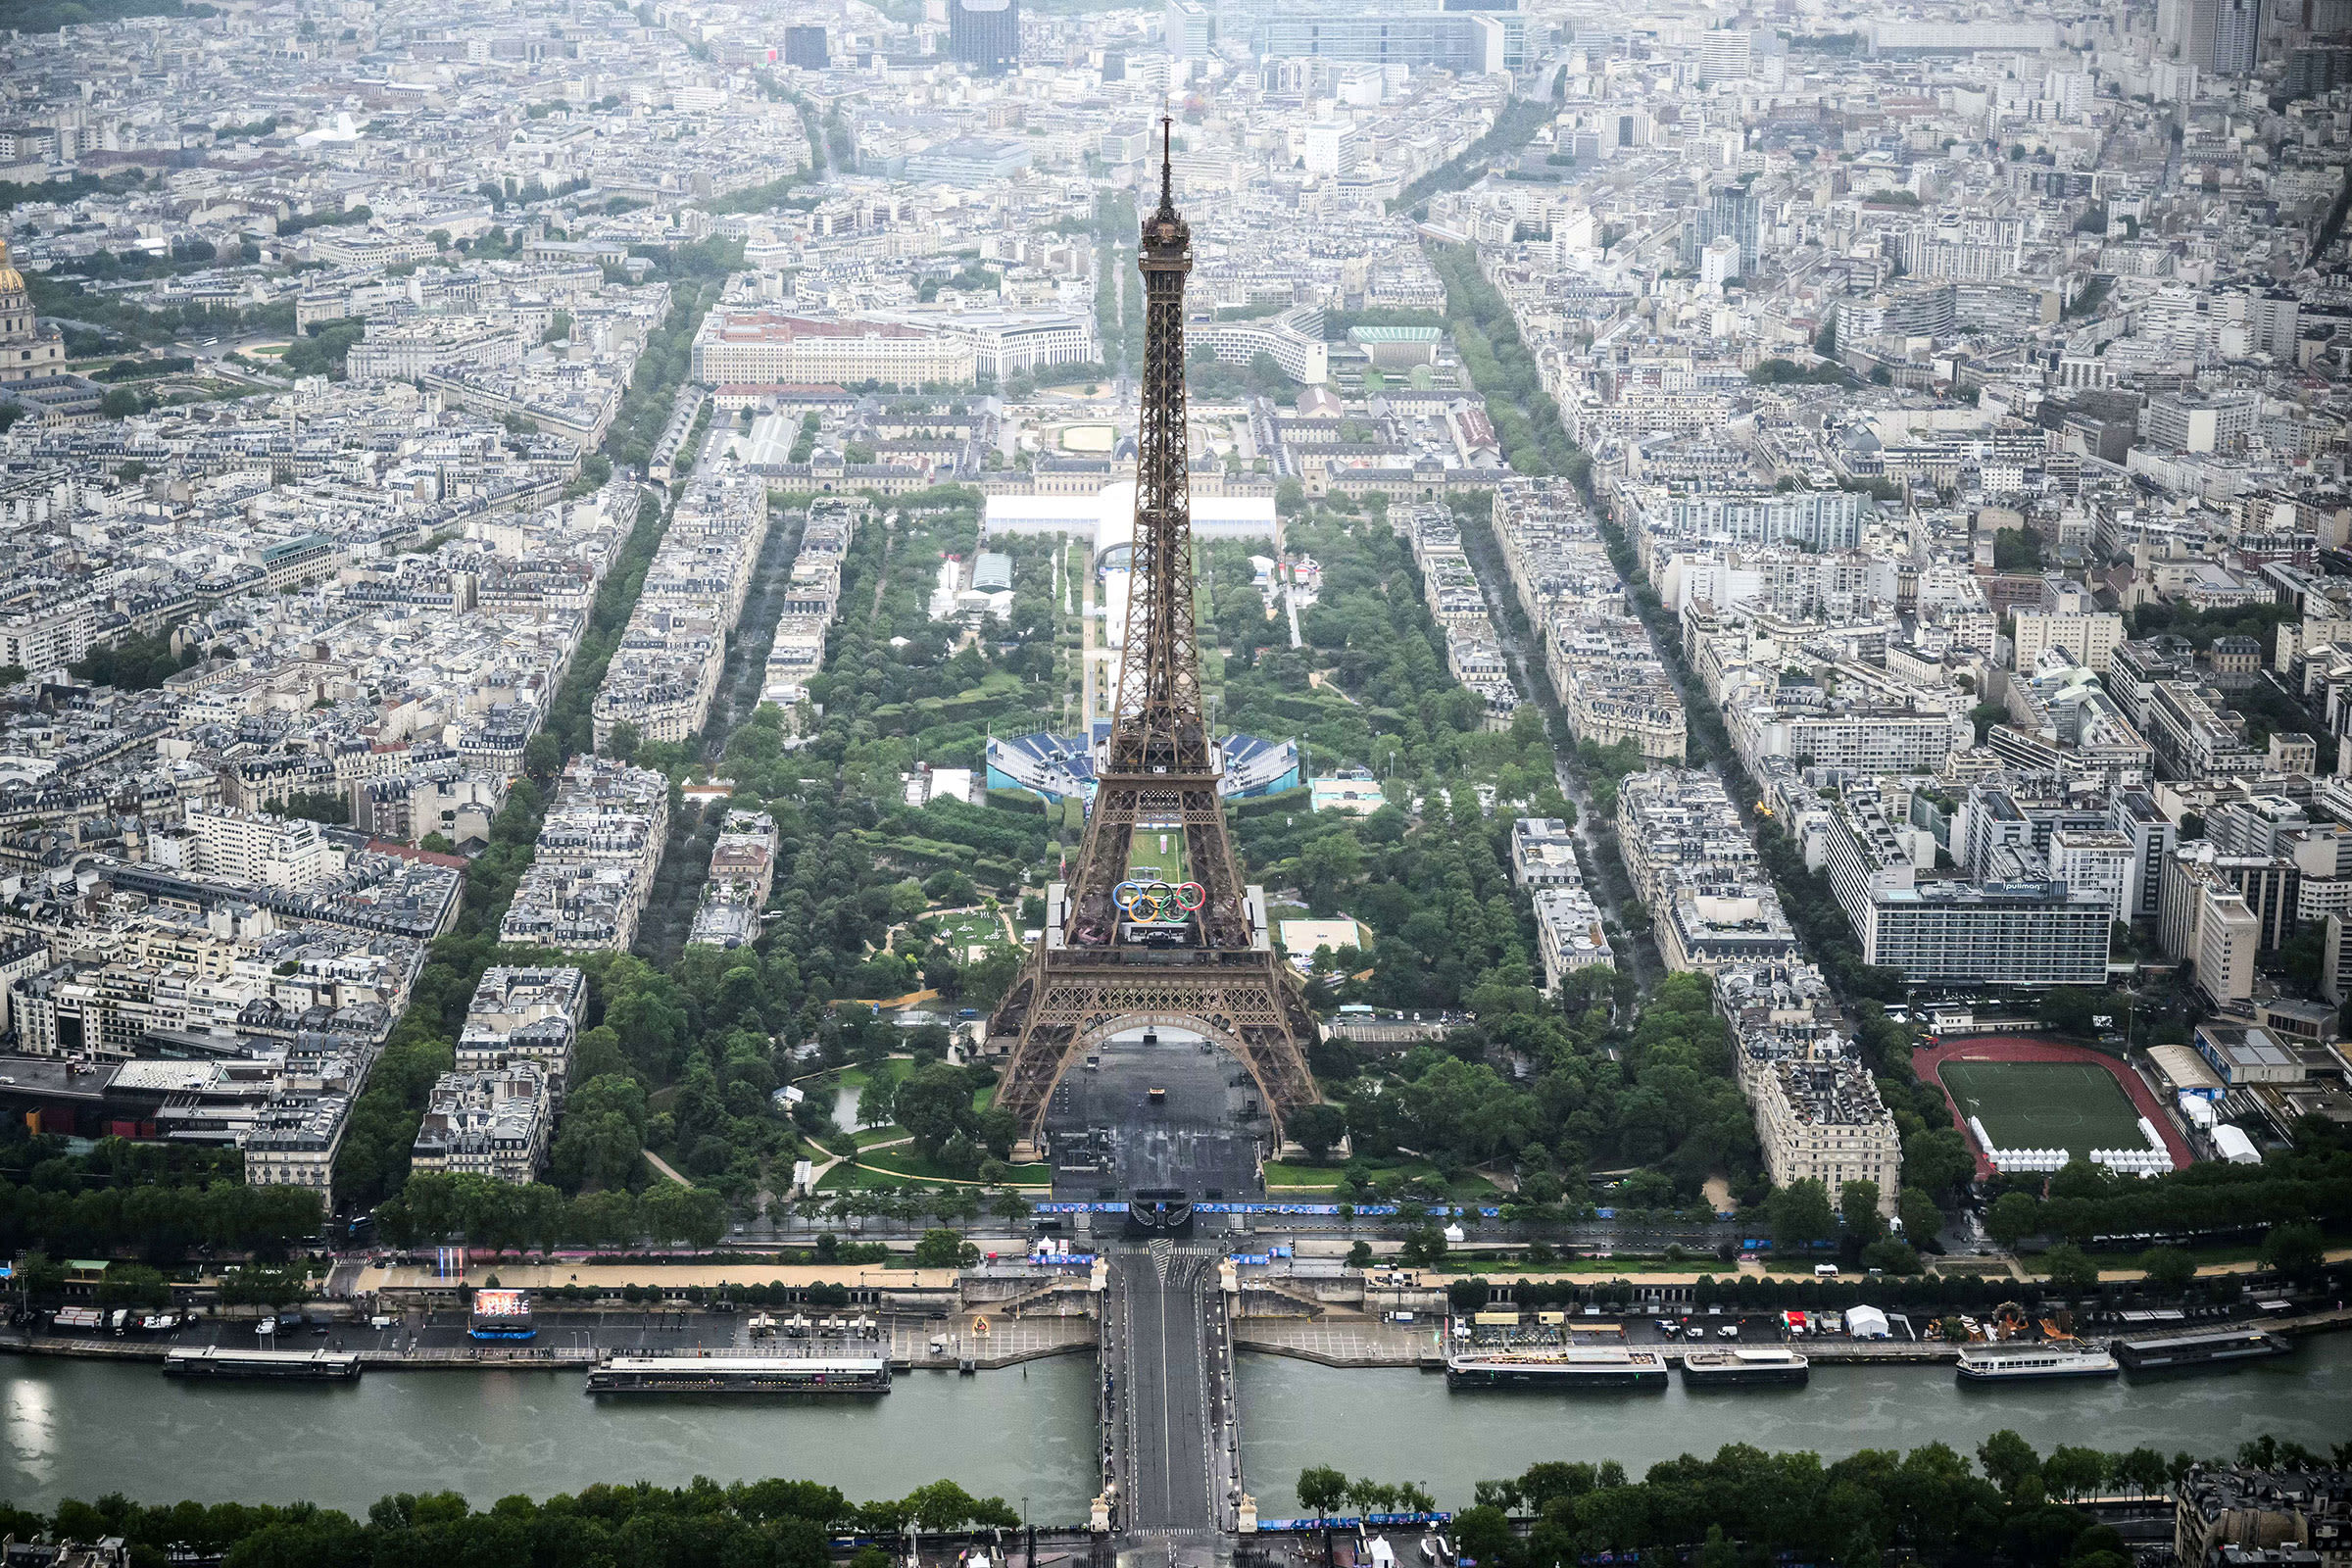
(2317,71)
(2237,36)
(805,46)
(1191,30)
(2221,36)
(985,35)
(1724,55)
(1735,212)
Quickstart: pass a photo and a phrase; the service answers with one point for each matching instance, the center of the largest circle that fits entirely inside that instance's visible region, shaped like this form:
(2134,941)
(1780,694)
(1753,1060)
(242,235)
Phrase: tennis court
(2071,1105)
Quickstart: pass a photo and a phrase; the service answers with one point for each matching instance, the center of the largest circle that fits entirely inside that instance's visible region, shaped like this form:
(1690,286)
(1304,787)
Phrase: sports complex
(2038,1094)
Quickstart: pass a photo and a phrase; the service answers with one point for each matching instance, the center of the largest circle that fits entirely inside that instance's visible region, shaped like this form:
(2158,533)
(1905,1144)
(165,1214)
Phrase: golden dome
(12,281)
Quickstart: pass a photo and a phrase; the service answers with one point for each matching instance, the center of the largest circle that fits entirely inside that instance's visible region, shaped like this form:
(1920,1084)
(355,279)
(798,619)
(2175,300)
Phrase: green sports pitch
(2044,1104)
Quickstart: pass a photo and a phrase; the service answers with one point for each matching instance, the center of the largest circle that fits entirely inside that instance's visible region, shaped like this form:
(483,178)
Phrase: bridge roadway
(1172,1459)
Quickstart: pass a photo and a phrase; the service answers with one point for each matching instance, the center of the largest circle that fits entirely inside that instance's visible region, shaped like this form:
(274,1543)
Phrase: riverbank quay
(669,1277)
(977,1341)
(1341,1341)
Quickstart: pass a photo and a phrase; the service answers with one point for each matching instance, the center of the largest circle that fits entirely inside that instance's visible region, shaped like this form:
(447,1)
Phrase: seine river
(80,1429)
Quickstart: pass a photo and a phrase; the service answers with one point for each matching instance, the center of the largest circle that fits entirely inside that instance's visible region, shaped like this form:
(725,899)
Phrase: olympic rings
(1157,901)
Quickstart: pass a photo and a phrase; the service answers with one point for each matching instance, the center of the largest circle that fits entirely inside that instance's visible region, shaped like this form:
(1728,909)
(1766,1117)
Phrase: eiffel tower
(1098,970)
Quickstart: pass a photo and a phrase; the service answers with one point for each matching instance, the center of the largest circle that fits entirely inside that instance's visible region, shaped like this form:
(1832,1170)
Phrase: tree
(1921,1218)
(1858,1206)
(1938,1159)
(2013,1217)
(934,1105)
(1484,1533)
(2070,1472)
(2069,1268)
(2009,1461)
(940,1248)
(1323,1489)
(1890,1257)
(1801,1215)
(2168,1269)
(2069,1009)
(2296,1250)
(118,404)
(1318,1128)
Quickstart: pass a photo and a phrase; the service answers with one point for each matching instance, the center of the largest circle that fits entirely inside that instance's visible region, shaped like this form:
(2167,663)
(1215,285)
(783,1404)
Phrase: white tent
(1866,1323)
(2234,1146)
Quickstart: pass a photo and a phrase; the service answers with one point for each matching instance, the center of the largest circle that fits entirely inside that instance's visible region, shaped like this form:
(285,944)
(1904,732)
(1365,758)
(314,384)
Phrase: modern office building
(2090,639)
(985,35)
(806,46)
(1468,43)
(2012,933)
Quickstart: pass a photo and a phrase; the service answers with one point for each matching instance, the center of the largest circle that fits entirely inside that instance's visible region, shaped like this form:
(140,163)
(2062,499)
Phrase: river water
(1399,1425)
(80,1429)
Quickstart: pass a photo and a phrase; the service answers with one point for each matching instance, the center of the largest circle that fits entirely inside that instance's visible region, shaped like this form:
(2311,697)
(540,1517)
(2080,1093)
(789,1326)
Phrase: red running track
(1926,1059)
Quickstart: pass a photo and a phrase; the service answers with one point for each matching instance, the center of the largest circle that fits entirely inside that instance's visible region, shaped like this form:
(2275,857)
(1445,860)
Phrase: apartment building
(294,1141)
(1543,854)
(493,1124)
(599,847)
(1819,1117)
(1569,934)
(524,1015)
(252,849)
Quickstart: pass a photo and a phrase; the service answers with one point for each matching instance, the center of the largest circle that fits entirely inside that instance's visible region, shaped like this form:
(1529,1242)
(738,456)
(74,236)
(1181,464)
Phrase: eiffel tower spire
(1211,968)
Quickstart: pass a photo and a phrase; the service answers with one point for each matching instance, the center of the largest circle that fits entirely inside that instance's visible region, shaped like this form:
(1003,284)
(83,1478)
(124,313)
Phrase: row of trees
(158,1222)
(757,1524)
(157,1200)
(434,1207)
(2311,1183)
(1326,1490)
(695,273)
(1747,1506)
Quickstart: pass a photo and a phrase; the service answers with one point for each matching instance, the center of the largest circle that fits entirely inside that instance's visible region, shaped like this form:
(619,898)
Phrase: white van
(1825,1271)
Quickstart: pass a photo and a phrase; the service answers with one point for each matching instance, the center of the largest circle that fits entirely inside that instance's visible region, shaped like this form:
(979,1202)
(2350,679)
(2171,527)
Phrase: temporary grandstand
(1060,766)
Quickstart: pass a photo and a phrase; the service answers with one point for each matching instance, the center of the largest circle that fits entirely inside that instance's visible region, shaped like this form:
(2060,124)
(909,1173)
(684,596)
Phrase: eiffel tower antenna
(1200,960)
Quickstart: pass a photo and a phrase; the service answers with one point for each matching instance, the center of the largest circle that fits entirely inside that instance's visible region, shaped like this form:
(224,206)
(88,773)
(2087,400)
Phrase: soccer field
(1156,856)
(2044,1104)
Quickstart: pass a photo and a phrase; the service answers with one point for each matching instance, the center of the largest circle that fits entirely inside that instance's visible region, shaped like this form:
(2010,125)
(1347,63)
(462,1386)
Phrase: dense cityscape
(1217,785)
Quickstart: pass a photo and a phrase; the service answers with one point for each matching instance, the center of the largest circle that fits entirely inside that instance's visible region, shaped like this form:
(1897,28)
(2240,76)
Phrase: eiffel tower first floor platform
(1070,1000)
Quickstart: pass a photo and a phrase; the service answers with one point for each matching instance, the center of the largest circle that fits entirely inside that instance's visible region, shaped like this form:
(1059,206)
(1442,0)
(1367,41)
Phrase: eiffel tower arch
(1202,961)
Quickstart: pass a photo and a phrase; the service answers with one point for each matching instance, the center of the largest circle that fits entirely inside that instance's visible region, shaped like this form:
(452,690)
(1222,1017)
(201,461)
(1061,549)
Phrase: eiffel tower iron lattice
(1098,970)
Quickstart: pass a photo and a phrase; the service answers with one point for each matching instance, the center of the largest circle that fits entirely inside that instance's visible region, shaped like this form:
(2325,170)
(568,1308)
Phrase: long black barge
(297,1366)
(2198,1353)
(739,1374)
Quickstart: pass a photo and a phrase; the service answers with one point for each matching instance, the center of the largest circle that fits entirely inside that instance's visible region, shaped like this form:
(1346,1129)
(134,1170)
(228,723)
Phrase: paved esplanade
(1168,1360)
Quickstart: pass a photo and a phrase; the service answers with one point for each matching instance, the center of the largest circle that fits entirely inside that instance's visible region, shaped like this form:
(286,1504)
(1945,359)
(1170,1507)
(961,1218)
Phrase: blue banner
(1352,1522)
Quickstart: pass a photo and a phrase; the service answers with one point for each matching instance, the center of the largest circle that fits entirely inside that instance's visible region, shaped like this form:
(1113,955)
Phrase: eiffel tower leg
(1068,1002)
